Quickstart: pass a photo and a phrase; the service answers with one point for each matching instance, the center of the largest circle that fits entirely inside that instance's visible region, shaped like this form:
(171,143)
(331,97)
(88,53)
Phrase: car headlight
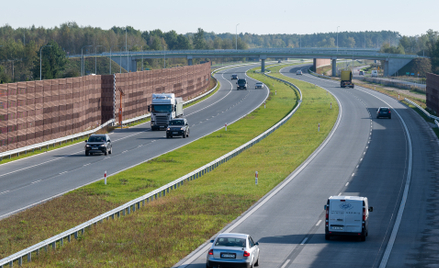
(103,145)
(87,145)
(168,129)
(182,128)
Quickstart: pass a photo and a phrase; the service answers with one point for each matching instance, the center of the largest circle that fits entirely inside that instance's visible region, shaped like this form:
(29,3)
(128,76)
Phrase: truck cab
(347,215)
(164,107)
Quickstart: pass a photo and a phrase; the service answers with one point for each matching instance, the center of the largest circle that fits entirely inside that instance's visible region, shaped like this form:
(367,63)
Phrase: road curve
(29,181)
(367,157)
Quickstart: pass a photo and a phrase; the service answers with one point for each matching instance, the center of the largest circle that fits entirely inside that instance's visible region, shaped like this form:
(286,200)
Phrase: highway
(363,156)
(32,180)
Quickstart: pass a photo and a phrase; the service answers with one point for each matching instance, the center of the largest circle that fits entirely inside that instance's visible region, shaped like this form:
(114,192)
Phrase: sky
(408,17)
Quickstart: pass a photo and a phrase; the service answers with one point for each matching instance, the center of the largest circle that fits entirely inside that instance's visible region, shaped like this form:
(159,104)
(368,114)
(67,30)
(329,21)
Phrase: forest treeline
(20,48)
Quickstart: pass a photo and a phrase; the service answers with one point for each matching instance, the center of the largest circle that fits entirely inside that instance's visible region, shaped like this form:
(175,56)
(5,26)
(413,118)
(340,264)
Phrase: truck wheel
(327,237)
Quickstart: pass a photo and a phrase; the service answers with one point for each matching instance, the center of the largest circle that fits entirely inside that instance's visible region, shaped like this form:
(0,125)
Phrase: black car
(242,84)
(384,112)
(98,143)
(234,77)
(178,127)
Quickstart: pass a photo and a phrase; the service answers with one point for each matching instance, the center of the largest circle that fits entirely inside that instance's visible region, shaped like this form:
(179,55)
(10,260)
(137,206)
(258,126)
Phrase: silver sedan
(233,250)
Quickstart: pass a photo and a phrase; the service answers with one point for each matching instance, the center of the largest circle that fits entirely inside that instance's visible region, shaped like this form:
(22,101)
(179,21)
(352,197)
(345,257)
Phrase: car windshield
(165,108)
(384,110)
(176,123)
(241,81)
(258,83)
(230,242)
(96,139)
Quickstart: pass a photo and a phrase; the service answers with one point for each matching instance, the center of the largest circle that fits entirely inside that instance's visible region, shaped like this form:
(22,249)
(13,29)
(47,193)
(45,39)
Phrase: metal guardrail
(318,75)
(135,204)
(435,118)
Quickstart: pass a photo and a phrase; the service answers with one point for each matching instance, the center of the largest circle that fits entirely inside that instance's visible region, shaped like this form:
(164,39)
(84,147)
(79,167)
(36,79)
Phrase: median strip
(164,231)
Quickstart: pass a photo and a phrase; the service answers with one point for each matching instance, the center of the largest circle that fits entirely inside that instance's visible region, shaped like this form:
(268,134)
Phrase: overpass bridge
(128,59)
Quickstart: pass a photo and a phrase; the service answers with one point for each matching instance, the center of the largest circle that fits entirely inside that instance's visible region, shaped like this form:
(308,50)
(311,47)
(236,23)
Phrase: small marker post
(225,126)
(256,178)
(330,107)
(105,177)
(318,127)
(264,104)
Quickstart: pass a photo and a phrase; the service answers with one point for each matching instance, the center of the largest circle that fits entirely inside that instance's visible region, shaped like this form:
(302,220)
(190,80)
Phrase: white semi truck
(164,107)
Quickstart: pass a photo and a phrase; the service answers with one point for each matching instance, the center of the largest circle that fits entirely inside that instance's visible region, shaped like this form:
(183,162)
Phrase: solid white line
(353,174)
(285,264)
(347,183)
(339,194)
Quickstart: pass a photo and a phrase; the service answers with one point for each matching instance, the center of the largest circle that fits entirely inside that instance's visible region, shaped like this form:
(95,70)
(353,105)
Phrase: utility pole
(236,36)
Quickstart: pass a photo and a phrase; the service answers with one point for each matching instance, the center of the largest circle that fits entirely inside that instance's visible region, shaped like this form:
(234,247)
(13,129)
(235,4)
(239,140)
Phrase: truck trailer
(346,79)
(164,107)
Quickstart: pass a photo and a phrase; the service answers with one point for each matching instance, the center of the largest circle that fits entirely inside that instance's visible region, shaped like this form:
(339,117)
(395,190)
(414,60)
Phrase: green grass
(166,230)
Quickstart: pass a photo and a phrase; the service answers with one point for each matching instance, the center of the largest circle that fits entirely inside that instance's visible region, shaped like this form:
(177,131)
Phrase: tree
(54,61)
(199,42)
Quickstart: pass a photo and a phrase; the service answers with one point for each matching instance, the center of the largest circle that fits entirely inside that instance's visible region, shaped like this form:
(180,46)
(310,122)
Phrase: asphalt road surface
(32,180)
(363,156)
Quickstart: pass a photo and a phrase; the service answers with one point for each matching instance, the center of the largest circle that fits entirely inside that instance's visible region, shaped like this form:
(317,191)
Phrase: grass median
(166,230)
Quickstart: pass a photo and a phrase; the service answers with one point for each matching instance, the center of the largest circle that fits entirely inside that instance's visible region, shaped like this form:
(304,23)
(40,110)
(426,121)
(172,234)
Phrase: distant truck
(347,215)
(164,107)
(346,79)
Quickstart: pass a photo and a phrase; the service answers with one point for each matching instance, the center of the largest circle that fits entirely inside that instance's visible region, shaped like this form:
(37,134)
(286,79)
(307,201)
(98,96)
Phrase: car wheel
(106,152)
(390,117)
(184,135)
(86,154)
(327,237)
(363,238)
(111,150)
(257,262)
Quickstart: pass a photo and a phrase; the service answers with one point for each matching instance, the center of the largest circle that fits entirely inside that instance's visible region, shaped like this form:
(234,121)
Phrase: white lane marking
(318,223)
(86,164)
(353,174)
(339,194)
(25,168)
(304,241)
(361,159)
(357,166)
(4,192)
(285,264)
(63,172)
(37,181)
(347,183)
(125,151)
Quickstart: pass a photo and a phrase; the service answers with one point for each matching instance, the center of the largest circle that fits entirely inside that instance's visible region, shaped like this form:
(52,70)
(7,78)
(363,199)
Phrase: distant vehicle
(98,143)
(299,72)
(374,73)
(177,127)
(242,84)
(347,215)
(346,79)
(279,61)
(234,77)
(233,250)
(164,107)
(259,85)
(384,112)
(361,73)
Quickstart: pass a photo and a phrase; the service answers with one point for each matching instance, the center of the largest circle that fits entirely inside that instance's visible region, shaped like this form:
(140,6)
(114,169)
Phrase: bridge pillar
(133,67)
(263,58)
(334,67)
(189,60)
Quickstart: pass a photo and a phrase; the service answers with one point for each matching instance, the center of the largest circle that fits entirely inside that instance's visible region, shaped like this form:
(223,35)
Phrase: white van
(347,215)
(374,73)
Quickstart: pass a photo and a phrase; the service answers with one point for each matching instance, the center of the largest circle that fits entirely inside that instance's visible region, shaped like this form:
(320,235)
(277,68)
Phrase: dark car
(384,112)
(242,84)
(234,77)
(98,143)
(178,127)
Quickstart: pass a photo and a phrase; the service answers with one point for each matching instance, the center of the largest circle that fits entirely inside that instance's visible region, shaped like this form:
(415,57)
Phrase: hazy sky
(408,17)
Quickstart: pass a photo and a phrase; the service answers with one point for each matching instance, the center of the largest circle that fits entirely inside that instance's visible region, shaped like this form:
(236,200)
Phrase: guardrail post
(129,210)
(20,261)
(29,257)
(155,196)
(69,238)
(61,242)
